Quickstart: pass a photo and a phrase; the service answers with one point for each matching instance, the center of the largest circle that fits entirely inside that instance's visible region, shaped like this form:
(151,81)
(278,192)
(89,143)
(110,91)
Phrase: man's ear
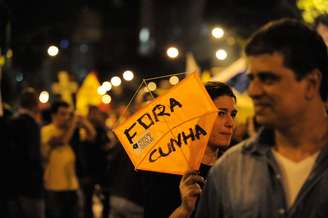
(312,86)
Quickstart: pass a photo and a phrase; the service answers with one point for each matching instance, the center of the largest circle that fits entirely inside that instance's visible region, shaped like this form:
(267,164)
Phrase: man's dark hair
(217,89)
(29,98)
(58,104)
(321,19)
(302,48)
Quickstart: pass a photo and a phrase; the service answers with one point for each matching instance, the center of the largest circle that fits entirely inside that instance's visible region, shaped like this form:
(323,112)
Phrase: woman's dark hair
(216,89)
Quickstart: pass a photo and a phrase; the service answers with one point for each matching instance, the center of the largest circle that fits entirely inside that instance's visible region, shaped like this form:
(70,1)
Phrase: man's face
(279,99)
(223,126)
(62,116)
(323,32)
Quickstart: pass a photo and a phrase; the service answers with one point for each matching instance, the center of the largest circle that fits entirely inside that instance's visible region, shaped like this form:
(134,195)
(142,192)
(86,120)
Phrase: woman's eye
(233,114)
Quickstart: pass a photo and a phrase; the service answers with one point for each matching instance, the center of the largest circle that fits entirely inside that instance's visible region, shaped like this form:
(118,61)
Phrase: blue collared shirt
(246,183)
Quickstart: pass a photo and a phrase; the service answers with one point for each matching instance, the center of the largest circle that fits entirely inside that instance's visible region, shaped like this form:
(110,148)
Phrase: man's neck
(300,141)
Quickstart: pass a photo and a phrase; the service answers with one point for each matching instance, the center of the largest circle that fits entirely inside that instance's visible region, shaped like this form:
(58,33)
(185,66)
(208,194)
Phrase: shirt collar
(262,143)
(264,140)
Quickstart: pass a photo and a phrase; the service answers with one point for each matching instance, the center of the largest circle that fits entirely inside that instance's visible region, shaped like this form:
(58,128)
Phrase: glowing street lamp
(217,32)
(107,85)
(172,52)
(144,35)
(44,97)
(53,50)
(174,80)
(116,81)
(101,90)
(221,54)
(106,99)
(128,75)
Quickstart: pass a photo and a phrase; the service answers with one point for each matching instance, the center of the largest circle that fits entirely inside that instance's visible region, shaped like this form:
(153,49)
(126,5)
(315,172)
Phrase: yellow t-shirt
(59,162)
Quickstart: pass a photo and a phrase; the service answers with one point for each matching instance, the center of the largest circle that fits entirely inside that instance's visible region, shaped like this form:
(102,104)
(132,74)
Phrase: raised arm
(190,188)
(86,124)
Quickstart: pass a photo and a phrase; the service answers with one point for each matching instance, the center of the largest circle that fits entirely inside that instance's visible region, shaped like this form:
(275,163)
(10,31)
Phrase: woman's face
(223,126)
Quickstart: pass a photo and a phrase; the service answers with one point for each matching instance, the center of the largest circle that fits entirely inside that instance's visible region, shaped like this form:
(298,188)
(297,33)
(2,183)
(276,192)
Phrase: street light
(144,35)
(53,50)
(217,32)
(44,97)
(106,99)
(101,90)
(107,85)
(116,81)
(128,75)
(174,80)
(221,54)
(172,52)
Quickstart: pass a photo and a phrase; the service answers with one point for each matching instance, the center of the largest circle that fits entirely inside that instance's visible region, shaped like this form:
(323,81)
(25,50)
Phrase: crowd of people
(53,168)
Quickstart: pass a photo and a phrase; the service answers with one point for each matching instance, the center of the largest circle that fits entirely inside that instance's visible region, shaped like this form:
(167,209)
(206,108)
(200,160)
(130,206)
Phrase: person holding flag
(165,188)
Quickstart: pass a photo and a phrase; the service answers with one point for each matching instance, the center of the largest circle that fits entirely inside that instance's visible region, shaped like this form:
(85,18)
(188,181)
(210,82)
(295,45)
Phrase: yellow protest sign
(170,133)
(65,87)
(87,94)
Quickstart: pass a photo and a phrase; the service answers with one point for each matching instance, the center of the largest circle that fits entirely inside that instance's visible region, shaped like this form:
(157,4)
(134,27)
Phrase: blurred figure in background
(26,157)
(321,26)
(7,188)
(63,198)
(96,152)
(125,184)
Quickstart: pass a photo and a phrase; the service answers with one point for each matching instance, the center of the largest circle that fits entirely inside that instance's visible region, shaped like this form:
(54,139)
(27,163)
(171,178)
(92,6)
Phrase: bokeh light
(44,97)
(172,52)
(152,86)
(116,81)
(174,80)
(53,50)
(101,90)
(221,54)
(217,32)
(128,75)
(107,85)
(106,99)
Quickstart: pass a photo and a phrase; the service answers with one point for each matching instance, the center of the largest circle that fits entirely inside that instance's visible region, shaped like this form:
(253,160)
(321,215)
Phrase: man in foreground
(283,172)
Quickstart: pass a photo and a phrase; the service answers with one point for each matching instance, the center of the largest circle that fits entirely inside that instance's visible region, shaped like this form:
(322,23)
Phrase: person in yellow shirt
(60,179)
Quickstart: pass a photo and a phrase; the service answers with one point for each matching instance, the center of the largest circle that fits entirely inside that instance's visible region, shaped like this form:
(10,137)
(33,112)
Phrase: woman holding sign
(163,190)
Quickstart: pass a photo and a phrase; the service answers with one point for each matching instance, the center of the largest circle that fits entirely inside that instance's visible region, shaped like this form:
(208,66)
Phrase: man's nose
(255,88)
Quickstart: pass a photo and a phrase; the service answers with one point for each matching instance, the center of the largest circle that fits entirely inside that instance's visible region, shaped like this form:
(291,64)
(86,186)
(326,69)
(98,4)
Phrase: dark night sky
(111,28)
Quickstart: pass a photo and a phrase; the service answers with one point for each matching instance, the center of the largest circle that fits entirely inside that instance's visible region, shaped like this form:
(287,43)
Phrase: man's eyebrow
(263,75)
(258,73)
